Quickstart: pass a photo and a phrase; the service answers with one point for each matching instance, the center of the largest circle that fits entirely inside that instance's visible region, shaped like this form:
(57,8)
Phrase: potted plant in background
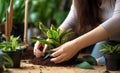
(112,56)
(13,49)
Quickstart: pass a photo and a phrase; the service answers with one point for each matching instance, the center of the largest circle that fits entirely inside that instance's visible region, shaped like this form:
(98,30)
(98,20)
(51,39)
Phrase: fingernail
(52,60)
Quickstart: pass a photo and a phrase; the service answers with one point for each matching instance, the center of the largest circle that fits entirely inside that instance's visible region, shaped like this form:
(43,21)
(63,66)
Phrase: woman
(94,21)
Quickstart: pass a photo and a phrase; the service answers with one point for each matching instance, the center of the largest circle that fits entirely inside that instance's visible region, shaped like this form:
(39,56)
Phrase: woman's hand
(37,49)
(64,52)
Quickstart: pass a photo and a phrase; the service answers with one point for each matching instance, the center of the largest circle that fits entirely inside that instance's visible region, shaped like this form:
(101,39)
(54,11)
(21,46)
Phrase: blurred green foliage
(3,6)
(39,11)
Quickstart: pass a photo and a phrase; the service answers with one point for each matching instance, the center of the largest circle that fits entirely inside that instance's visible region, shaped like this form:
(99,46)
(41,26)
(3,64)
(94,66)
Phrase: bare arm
(96,35)
(69,49)
(100,33)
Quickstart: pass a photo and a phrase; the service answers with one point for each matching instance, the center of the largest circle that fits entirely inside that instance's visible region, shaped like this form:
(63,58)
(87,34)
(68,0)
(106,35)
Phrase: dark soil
(28,55)
(47,62)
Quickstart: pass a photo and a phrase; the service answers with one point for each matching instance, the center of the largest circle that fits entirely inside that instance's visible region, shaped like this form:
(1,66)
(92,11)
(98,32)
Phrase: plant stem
(26,21)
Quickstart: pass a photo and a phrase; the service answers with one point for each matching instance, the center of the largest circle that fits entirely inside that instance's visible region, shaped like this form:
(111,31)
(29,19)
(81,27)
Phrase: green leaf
(54,43)
(9,60)
(61,35)
(6,60)
(47,54)
(90,59)
(65,37)
(43,28)
(52,27)
(44,41)
(10,46)
(85,65)
(59,31)
(52,34)
(110,49)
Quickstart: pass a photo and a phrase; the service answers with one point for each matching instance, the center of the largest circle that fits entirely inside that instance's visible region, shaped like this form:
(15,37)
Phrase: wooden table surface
(30,68)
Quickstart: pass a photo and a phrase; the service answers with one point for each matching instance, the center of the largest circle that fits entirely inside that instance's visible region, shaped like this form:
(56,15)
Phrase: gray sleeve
(71,19)
(112,25)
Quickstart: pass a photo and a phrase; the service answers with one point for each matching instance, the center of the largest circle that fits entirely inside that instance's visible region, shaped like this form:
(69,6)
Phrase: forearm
(96,35)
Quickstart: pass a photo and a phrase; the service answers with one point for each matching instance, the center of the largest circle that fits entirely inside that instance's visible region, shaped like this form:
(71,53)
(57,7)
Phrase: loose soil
(28,55)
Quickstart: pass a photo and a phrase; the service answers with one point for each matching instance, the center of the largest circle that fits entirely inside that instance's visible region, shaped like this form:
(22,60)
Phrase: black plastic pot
(16,57)
(1,69)
(112,62)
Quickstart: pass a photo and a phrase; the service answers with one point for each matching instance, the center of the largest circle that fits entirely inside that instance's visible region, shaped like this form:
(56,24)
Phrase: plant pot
(112,62)
(16,57)
(18,30)
(1,69)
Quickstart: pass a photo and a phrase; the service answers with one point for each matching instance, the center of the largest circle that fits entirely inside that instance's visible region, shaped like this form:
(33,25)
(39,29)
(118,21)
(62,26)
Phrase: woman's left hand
(64,52)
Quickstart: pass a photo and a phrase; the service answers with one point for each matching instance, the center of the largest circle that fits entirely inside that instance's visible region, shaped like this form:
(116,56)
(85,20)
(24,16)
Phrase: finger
(45,48)
(38,53)
(56,49)
(37,45)
(58,59)
(56,53)
(36,50)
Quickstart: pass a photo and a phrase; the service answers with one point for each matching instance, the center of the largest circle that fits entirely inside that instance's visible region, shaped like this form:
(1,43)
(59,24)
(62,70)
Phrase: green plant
(56,38)
(54,35)
(5,60)
(110,49)
(111,54)
(13,45)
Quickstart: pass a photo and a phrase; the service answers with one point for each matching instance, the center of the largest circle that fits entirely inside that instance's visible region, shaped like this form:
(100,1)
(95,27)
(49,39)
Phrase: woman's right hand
(38,51)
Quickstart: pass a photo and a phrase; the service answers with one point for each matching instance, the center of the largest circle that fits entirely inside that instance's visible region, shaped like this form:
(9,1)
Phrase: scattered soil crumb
(32,67)
(106,71)
(40,70)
